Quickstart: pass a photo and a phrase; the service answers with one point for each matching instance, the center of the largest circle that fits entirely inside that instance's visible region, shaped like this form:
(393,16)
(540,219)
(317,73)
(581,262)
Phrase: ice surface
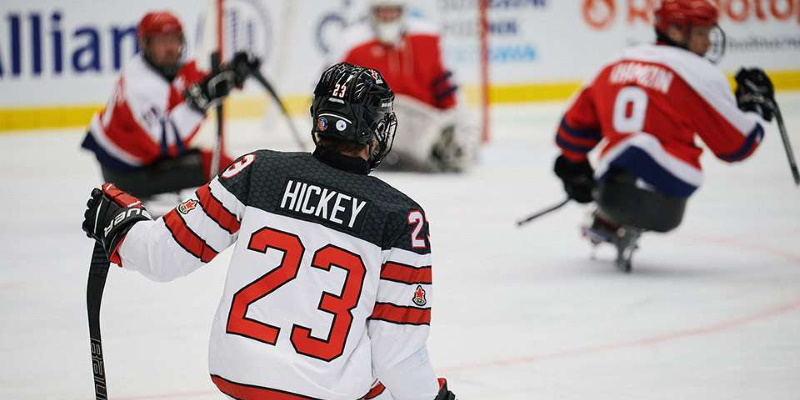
(712,311)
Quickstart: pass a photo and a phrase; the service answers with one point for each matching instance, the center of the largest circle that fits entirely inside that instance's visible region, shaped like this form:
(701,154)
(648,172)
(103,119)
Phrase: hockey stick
(543,212)
(216,155)
(98,270)
(786,145)
(265,83)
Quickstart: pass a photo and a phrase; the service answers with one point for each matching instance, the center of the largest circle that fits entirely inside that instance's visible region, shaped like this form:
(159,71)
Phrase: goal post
(483,32)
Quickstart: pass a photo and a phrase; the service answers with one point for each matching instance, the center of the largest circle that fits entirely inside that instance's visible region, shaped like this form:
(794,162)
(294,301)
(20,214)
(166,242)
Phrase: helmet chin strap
(372,149)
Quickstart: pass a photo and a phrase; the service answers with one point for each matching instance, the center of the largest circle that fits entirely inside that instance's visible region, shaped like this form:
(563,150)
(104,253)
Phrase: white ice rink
(711,311)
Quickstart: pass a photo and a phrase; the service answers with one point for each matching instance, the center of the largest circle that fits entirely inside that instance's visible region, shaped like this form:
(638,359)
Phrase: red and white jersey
(329,285)
(146,117)
(649,105)
(413,67)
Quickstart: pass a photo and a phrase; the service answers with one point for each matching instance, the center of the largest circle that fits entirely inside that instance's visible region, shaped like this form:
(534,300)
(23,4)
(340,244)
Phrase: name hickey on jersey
(321,202)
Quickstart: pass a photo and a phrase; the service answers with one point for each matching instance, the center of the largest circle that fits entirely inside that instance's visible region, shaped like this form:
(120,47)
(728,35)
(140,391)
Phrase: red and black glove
(444,394)
(109,215)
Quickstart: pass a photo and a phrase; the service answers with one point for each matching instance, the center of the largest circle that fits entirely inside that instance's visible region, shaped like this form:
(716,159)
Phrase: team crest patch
(187,206)
(419,296)
(322,124)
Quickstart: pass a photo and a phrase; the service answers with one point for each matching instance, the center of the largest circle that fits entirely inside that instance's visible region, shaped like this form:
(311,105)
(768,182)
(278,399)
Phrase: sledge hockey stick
(543,212)
(216,155)
(264,82)
(98,270)
(786,144)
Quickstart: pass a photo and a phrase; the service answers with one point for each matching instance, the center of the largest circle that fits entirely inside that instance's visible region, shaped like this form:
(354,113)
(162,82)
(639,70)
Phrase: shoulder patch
(187,206)
(419,296)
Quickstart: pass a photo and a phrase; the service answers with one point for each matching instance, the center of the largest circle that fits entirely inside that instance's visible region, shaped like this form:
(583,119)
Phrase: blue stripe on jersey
(593,134)
(751,141)
(178,141)
(103,157)
(572,147)
(442,78)
(164,148)
(441,95)
(639,163)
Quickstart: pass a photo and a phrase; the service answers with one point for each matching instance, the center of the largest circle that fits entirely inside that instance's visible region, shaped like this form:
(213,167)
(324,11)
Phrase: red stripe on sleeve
(406,274)
(375,391)
(216,211)
(252,392)
(187,239)
(401,315)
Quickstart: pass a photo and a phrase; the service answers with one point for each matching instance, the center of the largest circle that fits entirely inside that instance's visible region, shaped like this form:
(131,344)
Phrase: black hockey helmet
(355,104)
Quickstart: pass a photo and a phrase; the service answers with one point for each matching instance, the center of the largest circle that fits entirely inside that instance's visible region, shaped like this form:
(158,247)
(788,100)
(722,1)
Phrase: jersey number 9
(630,109)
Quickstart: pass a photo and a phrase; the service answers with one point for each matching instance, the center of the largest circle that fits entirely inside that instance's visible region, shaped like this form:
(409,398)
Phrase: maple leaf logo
(187,206)
(419,296)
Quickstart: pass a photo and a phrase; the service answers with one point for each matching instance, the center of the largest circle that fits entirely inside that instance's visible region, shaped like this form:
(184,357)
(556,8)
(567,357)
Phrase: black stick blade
(98,271)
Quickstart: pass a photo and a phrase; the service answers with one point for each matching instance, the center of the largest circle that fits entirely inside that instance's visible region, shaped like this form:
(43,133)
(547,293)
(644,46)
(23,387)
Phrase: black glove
(444,394)
(109,215)
(578,178)
(209,91)
(754,92)
(202,96)
(242,65)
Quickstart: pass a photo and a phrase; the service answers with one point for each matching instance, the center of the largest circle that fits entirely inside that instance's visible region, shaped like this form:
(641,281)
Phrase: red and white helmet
(685,13)
(158,23)
(387,3)
(388,32)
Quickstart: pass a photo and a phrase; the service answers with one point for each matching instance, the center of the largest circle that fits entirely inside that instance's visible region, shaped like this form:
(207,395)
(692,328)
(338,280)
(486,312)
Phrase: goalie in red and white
(437,134)
(144,138)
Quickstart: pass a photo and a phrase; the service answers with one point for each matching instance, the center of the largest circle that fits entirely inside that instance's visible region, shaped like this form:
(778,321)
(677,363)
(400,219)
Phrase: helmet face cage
(161,23)
(384,129)
(718,45)
(689,14)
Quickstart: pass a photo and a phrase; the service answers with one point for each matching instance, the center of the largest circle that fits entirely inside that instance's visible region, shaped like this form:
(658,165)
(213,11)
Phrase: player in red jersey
(144,137)
(648,106)
(437,134)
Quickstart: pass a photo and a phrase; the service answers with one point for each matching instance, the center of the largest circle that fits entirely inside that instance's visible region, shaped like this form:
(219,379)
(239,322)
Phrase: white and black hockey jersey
(329,286)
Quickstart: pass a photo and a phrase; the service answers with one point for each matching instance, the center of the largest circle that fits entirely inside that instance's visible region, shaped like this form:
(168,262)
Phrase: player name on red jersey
(321,202)
(651,76)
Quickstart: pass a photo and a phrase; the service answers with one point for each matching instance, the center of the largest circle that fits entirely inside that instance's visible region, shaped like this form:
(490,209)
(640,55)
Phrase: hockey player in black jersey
(328,294)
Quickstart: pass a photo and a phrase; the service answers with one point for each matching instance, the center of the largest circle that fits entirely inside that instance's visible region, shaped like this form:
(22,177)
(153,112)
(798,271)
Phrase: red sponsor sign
(602,14)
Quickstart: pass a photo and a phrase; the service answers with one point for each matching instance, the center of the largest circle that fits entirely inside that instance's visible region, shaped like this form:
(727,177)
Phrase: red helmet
(158,23)
(685,13)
